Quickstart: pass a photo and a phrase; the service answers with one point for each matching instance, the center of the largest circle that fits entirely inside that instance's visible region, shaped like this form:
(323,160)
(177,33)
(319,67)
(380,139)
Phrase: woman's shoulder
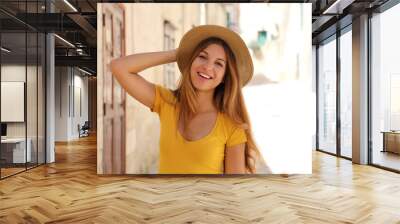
(227,121)
(232,130)
(164,99)
(166,94)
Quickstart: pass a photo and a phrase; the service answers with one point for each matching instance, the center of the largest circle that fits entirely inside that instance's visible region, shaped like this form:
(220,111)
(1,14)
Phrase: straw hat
(196,35)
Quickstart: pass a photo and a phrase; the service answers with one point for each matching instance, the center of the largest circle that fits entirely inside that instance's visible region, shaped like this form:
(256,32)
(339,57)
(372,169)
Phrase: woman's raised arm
(126,69)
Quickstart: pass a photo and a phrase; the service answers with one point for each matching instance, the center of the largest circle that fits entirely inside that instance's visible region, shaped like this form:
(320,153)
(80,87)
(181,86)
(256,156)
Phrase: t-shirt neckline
(202,138)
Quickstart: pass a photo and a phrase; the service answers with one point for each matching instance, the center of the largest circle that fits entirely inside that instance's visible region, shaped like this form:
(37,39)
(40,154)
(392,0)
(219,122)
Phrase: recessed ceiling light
(5,49)
(84,71)
(70,5)
(337,7)
(64,40)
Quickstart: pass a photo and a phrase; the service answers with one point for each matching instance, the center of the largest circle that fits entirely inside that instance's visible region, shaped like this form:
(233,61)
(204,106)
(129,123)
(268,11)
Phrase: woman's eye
(202,56)
(219,64)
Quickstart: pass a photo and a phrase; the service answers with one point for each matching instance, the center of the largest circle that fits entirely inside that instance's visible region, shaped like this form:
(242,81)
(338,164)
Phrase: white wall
(61,103)
(79,117)
(33,126)
(70,83)
(12,73)
(12,101)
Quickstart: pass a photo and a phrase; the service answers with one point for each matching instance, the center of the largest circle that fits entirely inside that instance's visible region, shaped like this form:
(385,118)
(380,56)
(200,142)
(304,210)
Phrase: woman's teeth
(204,75)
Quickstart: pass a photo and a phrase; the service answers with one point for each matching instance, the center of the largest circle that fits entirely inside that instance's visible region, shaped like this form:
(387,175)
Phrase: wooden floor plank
(70,191)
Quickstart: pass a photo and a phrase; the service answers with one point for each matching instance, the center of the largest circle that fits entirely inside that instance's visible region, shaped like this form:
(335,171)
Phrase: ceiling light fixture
(84,71)
(70,5)
(337,7)
(65,41)
(5,49)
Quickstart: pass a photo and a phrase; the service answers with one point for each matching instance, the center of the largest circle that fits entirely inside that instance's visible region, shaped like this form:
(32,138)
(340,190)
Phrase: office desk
(391,141)
(15,148)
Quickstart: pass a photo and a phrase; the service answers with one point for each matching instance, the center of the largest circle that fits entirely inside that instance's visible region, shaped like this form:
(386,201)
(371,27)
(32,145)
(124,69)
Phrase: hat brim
(196,35)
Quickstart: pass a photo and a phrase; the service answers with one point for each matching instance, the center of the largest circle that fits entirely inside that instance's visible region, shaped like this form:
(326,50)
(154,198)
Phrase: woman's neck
(205,102)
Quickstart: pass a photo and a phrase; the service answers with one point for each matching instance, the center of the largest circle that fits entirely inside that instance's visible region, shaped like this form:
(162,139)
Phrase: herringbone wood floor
(69,191)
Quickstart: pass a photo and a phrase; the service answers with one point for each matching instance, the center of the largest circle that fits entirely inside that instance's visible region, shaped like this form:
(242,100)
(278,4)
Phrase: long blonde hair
(228,99)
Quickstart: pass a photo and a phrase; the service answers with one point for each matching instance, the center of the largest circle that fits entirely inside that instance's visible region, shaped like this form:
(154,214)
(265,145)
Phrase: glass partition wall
(13,87)
(385,90)
(327,96)
(334,75)
(334,80)
(22,88)
(345,92)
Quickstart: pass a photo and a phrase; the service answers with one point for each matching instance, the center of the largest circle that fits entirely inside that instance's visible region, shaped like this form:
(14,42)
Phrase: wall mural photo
(204,88)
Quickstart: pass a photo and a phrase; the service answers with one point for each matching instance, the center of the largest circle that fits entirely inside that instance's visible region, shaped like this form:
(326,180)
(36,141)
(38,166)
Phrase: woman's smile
(203,75)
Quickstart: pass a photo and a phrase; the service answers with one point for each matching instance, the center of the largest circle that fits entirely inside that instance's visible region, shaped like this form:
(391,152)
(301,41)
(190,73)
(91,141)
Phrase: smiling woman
(202,70)
(205,128)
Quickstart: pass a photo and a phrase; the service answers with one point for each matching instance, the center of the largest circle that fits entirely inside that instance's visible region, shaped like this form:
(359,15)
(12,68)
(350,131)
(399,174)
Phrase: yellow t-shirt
(203,156)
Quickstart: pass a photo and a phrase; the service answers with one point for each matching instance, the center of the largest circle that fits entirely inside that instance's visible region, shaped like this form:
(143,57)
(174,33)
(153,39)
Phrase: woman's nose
(208,66)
